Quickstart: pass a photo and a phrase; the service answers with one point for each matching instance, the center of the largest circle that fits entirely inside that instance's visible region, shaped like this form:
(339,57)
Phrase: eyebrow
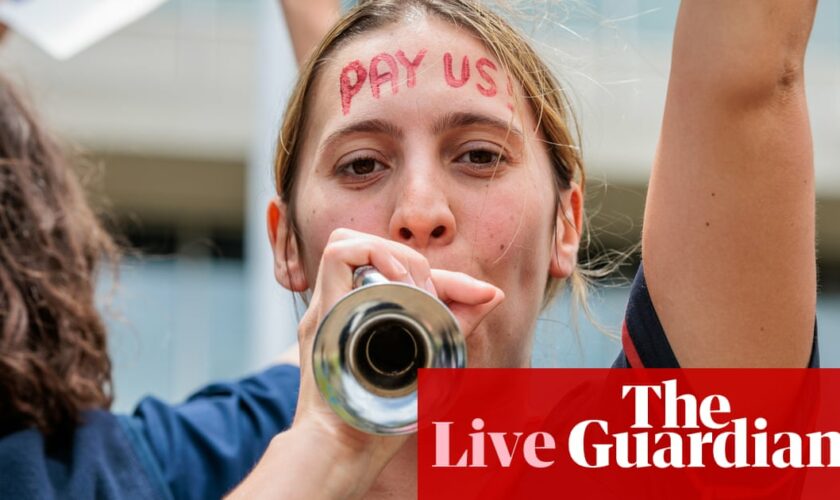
(449,121)
(462,120)
(365,126)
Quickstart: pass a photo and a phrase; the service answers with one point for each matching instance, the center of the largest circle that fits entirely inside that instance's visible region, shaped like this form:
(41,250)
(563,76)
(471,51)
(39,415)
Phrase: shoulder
(206,445)
(95,461)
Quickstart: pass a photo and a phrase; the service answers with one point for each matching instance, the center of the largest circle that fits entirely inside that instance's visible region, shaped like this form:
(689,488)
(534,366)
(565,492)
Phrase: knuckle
(304,328)
(331,251)
(419,263)
(340,233)
(410,255)
(339,250)
(301,333)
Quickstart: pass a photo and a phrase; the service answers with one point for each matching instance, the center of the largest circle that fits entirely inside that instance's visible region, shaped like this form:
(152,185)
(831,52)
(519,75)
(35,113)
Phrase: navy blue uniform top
(643,340)
(199,449)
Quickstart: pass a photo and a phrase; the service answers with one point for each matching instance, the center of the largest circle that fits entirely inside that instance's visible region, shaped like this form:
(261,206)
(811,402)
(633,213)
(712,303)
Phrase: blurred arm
(728,240)
(308,21)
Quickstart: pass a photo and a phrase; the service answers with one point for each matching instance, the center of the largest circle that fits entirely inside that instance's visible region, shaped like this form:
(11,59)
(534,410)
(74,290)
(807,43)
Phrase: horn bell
(369,347)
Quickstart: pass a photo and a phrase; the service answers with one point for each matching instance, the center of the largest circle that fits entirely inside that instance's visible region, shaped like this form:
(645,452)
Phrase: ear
(288,267)
(568,227)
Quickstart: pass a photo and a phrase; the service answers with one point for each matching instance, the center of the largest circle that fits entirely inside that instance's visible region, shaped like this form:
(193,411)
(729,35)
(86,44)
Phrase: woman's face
(413,137)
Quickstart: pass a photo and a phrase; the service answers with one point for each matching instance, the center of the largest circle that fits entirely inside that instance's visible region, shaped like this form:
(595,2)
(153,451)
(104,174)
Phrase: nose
(422,217)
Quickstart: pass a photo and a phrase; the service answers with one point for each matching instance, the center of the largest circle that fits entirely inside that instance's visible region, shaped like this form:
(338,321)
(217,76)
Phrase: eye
(481,157)
(361,167)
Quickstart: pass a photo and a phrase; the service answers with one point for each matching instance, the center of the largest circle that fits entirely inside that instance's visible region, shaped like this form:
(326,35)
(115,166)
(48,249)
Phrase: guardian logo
(597,433)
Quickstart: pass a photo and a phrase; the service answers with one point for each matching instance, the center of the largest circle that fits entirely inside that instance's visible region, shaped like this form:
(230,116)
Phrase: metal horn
(370,345)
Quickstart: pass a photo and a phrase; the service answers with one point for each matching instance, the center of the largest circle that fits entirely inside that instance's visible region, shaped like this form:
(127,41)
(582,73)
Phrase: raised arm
(308,21)
(728,239)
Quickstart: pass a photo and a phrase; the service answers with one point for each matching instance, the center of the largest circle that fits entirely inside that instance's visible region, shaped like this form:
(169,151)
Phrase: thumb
(469,299)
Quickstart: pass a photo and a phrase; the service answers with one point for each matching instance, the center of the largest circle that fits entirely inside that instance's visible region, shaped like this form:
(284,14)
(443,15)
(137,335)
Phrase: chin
(482,354)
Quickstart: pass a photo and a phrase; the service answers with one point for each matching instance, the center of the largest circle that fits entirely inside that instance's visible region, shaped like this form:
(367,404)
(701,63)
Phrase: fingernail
(398,266)
(430,287)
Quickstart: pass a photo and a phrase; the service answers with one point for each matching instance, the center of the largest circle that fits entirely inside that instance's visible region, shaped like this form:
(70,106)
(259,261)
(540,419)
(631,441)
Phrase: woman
(426,138)
(57,438)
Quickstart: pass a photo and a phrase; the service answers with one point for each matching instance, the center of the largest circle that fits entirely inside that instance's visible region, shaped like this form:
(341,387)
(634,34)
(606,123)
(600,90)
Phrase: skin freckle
(707,224)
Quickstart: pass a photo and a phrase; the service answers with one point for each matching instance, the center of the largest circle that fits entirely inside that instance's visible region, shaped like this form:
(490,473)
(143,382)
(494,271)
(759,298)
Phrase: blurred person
(404,147)
(57,437)
(307,22)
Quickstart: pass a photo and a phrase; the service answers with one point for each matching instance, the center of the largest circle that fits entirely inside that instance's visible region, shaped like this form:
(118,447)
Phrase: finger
(453,286)
(343,255)
(420,272)
(341,258)
(348,249)
(470,300)
(406,265)
(470,316)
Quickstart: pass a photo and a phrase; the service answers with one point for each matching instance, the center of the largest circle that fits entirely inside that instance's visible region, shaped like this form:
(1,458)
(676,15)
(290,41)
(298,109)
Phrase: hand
(321,456)
(470,300)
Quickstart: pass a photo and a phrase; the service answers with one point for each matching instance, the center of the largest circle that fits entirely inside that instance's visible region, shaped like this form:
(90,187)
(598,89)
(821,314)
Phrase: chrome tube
(370,345)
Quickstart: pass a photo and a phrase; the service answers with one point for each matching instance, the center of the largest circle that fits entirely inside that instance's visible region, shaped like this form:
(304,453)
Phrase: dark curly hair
(54,361)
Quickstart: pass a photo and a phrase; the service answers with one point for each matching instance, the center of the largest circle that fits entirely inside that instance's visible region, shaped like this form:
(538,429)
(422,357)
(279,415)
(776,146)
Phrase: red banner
(705,433)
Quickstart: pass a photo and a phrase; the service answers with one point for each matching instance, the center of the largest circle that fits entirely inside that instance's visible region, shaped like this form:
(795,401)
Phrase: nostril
(405,233)
(438,232)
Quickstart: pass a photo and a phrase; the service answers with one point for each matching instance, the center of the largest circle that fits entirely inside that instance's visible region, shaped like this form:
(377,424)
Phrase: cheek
(511,231)
(496,235)
(323,212)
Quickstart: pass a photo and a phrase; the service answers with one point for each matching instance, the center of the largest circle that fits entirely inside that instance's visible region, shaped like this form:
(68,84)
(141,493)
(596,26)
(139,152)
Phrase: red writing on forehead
(377,78)
(447,71)
(383,69)
(348,88)
(481,66)
(411,66)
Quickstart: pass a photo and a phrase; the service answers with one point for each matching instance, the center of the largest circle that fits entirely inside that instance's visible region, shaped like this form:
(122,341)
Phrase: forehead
(411,72)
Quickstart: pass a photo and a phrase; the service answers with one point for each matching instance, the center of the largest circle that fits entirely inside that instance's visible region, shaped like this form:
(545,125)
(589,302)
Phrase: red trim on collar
(629,348)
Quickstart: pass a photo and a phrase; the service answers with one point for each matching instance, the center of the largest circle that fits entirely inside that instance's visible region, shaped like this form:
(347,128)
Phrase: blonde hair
(540,90)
